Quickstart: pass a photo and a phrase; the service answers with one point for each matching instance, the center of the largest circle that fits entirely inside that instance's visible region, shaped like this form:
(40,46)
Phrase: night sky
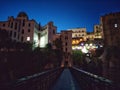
(65,14)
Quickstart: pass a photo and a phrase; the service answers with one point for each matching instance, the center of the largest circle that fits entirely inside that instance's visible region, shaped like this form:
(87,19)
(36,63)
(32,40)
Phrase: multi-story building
(47,34)
(111,31)
(90,36)
(66,37)
(79,33)
(81,38)
(111,25)
(98,33)
(21,29)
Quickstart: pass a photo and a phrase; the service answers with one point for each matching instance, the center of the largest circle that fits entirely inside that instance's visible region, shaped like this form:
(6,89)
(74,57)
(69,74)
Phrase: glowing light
(73,47)
(90,44)
(115,25)
(77,41)
(96,46)
(87,55)
(86,45)
(101,45)
(84,50)
(80,39)
(73,42)
(79,47)
(28,38)
(82,44)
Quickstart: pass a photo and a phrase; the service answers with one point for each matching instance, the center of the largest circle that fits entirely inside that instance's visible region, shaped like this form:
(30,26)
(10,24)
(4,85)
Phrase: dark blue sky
(65,14)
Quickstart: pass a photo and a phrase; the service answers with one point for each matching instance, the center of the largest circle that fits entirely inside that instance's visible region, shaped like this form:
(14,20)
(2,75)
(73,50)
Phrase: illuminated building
(98,33)
(80,36)
(79,33)
(90,36)
(77,40)
(47,34)
(21,29)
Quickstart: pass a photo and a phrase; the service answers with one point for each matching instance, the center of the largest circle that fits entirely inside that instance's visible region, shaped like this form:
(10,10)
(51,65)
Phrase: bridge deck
(66,82)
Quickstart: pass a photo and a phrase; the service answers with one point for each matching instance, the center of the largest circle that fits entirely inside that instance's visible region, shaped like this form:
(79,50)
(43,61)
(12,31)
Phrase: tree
(4,39)
(77,57)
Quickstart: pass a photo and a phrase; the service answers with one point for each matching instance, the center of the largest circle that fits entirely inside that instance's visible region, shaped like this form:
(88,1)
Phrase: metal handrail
(38,81)
(89,81)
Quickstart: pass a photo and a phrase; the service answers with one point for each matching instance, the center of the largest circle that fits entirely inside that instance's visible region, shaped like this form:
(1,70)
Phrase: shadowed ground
(66,82)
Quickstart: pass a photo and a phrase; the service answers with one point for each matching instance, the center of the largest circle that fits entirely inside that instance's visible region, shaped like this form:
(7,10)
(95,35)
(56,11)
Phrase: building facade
(111,26)
(83,40)
(47,34)
(111,58)
(79,33)
(98,33)
(66,38)
(21,29)
(90,36)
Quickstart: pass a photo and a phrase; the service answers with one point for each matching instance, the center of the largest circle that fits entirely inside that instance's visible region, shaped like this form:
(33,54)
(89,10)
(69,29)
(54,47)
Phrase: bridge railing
(39,81)
(89,81)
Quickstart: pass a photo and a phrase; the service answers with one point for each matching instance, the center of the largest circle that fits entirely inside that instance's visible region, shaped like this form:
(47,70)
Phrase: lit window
(115,25)
(28,38)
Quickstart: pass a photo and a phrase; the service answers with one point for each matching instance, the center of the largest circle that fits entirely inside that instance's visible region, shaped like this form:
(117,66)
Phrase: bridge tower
(66,37)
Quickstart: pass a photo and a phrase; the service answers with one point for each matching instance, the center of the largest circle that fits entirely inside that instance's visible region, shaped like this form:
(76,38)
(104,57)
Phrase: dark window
(18,36)
(23,31)
(12,25)
(53,31)
(29,24)
(28,30)
(10,33)
(22,38)
(8,24)
(14,34)
(66,43)
(3,25)
(19,27)
(23,24)
(96,27)
(15,25)
(24,21)
(66,49)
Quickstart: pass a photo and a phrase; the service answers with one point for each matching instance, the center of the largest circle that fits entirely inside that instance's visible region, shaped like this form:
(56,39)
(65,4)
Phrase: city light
(84,50)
